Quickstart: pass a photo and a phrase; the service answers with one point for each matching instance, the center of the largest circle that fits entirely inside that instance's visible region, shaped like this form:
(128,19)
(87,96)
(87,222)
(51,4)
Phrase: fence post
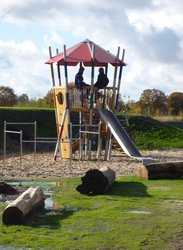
(4,144)
(35,133)
(70,145)
(21,137)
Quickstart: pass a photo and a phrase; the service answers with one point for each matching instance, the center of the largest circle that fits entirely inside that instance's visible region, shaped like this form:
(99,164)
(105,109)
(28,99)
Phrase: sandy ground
(45,167)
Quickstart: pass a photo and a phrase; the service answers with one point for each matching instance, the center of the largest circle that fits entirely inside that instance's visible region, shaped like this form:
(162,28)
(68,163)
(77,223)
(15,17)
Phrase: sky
(150,31)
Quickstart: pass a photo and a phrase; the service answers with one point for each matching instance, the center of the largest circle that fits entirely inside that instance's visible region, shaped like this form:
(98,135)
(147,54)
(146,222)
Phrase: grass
(169,118)
(134,214)
(147,133)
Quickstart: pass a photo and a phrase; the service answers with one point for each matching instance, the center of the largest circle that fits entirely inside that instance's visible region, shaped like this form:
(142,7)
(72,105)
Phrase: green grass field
(147,133)
(135,214)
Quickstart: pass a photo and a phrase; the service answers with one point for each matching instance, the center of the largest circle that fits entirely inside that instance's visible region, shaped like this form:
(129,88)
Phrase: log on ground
(97,181)
(161,170)
(15,212)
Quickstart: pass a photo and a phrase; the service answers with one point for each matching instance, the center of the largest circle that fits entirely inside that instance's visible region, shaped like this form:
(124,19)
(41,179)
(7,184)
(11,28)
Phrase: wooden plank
(60,107)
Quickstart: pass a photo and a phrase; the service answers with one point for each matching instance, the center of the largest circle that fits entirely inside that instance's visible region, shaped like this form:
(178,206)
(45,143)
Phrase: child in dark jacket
(102,80)
(79,83)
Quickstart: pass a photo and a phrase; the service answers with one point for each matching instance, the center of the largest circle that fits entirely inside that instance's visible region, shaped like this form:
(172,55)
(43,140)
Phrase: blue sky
(150,31)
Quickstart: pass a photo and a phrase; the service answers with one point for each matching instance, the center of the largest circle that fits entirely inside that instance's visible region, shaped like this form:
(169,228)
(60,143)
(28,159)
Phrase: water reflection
(138,212)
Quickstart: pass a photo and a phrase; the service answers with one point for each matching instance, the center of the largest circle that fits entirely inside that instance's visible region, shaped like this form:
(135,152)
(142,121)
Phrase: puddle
(138,212)
(175,201)
(55,208)
(13,248)
(161,188)
(32,183)
(176,206)
(50,205)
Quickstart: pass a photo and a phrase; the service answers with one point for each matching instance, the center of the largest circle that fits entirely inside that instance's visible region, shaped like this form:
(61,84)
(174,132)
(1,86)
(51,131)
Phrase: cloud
(5,63)
(150,31)
(161,46)
(22,67)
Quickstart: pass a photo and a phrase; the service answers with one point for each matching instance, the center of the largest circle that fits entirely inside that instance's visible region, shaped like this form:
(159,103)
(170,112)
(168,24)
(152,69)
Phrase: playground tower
(72,102)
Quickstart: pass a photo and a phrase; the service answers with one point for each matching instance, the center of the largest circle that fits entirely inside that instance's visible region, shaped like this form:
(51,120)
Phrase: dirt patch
(45,167)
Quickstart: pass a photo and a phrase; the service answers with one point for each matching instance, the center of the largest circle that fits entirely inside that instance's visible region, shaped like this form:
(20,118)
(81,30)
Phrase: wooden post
(91,98)
(109,135)
(21,138)
(35,136)
(53,83)
(80,137)
(58,70)
(70,145)
(119,80)
(114,80)
(99,140)
(15,212)
(51,68)
(4,144)
(59,136)
(67,91)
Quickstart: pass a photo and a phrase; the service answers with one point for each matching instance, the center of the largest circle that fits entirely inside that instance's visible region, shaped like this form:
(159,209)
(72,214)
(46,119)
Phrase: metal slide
(121,136)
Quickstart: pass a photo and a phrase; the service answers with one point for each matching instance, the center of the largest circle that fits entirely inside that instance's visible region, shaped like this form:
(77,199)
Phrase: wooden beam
(15,212)
(161,170)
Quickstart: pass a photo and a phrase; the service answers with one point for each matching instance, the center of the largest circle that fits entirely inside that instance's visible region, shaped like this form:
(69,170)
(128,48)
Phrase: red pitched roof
(82,52)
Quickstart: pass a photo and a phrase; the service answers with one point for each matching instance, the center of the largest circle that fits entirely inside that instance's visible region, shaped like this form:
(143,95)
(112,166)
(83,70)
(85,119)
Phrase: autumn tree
(49,100)
(153,101)
(7,96)
(23,100)
(175,103)
(120,104)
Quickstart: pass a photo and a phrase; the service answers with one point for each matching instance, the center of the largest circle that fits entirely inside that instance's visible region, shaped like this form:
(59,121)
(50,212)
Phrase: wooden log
(97,181)
(15,212)
(161,170)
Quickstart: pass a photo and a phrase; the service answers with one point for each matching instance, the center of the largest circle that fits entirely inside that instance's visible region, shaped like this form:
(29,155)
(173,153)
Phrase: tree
(152,101)
(175,103)
(49,100)
(7,96)
(23,99)
(121,104)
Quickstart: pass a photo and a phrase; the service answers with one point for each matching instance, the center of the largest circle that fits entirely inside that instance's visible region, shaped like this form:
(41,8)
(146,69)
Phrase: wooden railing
(81,98)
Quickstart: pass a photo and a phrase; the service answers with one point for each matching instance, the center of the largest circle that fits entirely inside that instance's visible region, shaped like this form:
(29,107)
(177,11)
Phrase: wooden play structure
(69,100)
(96,116)
(85,118)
